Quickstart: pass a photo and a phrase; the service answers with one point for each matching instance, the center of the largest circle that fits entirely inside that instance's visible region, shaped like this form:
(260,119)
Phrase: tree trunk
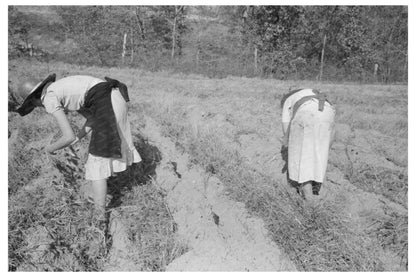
(389,47)
(132,46)
(174,34)
(322,59)
(140,24)
(197,57)
(255,58)
(123,54)
(405,78)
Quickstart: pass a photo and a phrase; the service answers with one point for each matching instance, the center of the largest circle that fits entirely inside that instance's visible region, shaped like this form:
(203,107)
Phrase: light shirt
(290,102)
(68,93)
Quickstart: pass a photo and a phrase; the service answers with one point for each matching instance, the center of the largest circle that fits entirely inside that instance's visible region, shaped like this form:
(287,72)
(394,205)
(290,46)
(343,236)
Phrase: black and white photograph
(207,137)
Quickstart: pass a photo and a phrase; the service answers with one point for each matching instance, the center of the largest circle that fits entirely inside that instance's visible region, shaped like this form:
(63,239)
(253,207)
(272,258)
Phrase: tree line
(328,43)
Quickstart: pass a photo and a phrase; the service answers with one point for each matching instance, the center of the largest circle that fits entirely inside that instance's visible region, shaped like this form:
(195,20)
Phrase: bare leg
(307,190)
(99,191)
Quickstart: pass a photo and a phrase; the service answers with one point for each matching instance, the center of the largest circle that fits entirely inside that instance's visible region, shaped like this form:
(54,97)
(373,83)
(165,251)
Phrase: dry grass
(52,229)
(318,239)
(380,108)
(315,238)
(19,173)
(51,226)
(392,232)
(140,205)
(392,184)
(151,229)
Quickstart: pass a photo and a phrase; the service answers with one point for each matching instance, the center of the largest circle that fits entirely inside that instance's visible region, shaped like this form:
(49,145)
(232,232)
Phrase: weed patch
(392,184)
(392,231)
(315,239)
(151,228)
(51,229)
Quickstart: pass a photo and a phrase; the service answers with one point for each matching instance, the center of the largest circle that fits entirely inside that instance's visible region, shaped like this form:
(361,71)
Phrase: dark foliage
(350,43)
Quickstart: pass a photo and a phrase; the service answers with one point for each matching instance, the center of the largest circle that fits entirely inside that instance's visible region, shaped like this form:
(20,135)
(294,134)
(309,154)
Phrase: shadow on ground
(137,174)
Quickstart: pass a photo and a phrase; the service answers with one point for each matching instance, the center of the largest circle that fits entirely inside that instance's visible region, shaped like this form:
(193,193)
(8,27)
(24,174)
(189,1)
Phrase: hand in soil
(72,152)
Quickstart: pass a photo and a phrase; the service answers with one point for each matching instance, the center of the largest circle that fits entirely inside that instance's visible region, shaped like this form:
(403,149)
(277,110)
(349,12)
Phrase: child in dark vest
(104,105)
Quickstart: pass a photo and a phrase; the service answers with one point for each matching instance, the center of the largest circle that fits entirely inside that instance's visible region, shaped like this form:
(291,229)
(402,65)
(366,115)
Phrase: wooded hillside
(328,43)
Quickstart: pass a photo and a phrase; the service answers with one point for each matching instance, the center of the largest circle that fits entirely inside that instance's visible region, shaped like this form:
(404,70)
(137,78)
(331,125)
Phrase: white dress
(310,135)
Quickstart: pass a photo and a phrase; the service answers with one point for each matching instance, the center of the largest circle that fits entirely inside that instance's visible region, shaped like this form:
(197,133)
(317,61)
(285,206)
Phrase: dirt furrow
(118,255)
(361,208)
(220,233)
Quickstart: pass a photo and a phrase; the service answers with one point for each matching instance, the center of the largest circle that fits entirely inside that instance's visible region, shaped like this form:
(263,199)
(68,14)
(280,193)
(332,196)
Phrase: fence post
(322,59)
(123,54)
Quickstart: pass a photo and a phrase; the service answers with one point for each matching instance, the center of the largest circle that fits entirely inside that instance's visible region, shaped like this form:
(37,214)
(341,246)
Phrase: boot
(316,187)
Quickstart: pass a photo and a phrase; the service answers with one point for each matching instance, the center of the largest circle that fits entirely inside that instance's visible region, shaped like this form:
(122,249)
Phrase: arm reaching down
(68,135)
(82,133)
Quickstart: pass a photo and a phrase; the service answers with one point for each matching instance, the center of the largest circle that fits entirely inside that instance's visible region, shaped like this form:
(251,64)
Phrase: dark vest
(98,109)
